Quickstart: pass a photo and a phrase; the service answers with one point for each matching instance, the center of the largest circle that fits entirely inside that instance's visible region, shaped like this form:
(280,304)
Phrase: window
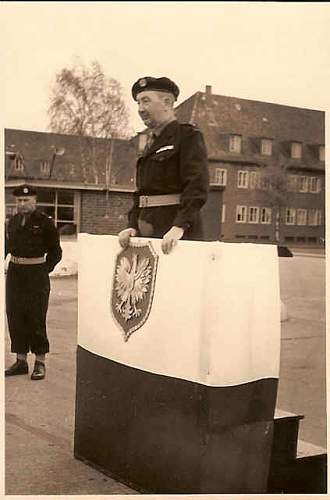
(302,184)
(235,143)
(19,163)
(45,166)
(265,215)
(314,217)
(314,184)
(292,183)
(254,180)
(242,179)
(301,216)
(296,150)
(321,153)
(220,177)
(223,214)
(266,147)
(60,205)
(253,215)
(264,183)
(240,214)
(290,216)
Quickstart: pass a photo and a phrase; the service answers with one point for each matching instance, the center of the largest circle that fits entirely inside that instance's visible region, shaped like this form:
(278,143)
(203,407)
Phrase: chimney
(208,90)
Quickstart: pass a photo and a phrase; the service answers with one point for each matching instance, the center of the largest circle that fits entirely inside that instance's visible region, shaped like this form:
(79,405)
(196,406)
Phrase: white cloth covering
(215,317)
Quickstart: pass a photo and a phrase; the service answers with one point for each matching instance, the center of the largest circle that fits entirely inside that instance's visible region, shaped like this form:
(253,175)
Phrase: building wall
(231,230)
(102,214)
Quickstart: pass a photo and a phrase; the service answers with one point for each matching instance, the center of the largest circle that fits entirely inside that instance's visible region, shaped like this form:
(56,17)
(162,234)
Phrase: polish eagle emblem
(133,287)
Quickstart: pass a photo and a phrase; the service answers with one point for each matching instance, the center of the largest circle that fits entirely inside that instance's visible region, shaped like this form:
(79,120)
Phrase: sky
(274,52)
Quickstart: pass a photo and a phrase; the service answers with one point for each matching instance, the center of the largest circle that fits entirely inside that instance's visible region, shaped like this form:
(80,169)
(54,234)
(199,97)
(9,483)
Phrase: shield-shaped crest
(133,286)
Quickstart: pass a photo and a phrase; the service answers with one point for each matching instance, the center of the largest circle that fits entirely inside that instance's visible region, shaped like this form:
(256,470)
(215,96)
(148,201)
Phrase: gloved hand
(171,238)
(125,235)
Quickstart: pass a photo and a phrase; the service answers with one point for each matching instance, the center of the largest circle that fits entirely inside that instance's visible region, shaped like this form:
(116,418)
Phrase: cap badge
(142,82)
(25,190)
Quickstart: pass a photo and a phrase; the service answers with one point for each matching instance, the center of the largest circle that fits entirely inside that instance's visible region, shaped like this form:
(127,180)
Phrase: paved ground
(302,387)
(40,415)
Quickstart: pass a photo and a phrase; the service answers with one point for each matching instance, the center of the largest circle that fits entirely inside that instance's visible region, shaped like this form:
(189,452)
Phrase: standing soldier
(172,173)
(33,242)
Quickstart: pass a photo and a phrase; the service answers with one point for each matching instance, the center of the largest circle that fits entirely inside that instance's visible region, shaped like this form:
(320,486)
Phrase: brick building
(87,185)
(260,152)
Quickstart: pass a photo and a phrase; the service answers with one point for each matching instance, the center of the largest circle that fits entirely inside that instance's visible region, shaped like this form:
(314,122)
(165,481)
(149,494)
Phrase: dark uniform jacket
(175,163)
(36,238)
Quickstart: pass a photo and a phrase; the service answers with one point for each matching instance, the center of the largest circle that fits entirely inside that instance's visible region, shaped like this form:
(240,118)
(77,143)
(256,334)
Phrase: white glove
(171,238)
(125,235)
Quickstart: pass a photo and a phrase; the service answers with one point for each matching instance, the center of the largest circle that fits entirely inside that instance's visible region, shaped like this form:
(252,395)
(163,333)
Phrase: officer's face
(152,108)
(26,204)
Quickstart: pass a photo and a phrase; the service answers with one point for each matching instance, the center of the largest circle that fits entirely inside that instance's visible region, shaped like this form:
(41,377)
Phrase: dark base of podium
(164,435)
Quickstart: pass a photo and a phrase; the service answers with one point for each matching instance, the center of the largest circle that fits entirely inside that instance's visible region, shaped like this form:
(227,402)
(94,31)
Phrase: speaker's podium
(177,363)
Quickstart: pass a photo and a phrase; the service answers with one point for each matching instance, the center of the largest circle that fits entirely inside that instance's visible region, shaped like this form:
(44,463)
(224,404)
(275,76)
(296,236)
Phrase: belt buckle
(144,201)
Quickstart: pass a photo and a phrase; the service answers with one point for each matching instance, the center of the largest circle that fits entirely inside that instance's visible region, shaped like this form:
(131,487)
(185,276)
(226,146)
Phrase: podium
(177,364)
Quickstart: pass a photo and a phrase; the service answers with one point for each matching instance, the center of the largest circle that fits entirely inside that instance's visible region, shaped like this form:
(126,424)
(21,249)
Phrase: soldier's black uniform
(176,163)
(27,285)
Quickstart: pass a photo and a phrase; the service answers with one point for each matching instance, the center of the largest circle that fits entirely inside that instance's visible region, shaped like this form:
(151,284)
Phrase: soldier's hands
(171,238)
(125,235)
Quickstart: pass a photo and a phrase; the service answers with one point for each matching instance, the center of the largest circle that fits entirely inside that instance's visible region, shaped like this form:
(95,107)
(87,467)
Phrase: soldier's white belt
(159,200)
(27,260)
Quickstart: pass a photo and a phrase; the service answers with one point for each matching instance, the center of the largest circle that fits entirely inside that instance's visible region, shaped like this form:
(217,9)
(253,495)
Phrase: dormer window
(321,153)
(19,163)
(266,146)
(296,150)
(45,166)
(235,143)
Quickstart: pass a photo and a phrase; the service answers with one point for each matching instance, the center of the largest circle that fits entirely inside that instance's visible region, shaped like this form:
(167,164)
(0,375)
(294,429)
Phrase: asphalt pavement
(40,414)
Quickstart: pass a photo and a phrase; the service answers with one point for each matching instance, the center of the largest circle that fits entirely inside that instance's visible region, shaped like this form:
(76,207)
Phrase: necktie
(150,140)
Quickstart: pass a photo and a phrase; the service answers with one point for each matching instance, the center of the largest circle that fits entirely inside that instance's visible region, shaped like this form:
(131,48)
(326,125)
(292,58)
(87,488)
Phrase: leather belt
(159,200)
(27,260)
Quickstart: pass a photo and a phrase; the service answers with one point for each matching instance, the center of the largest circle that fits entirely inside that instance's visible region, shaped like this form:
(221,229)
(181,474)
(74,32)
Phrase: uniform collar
(159,129)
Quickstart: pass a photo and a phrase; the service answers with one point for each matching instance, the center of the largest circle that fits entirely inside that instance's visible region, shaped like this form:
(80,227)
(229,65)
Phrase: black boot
(19,368)
(39,371)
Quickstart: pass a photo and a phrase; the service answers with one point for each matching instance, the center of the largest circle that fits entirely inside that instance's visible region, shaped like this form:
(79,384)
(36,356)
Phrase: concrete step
(285,439)
(296,465)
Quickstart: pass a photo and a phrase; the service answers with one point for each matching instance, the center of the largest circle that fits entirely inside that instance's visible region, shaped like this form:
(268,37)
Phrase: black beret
(162,84)
(24,190)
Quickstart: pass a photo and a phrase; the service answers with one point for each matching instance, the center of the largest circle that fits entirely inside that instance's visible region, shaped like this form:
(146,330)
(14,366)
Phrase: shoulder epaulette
(44,215)
(191,126)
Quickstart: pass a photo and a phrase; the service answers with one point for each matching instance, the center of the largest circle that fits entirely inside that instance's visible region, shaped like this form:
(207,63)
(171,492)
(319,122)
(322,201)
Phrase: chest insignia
(165,148)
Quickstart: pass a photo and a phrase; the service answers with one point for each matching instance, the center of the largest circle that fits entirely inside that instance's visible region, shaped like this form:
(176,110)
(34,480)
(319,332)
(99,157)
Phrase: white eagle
(131,285)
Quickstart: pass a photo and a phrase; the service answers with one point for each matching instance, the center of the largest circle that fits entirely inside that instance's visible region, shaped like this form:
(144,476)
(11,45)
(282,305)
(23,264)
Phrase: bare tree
(274,180)
(85,102)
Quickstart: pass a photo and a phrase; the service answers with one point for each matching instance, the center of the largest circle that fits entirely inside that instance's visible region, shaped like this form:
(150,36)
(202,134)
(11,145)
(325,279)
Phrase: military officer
(33,242)
(172,173)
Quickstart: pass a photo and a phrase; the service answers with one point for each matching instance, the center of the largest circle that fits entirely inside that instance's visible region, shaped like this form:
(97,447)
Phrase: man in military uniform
(172,173)
(33,242)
